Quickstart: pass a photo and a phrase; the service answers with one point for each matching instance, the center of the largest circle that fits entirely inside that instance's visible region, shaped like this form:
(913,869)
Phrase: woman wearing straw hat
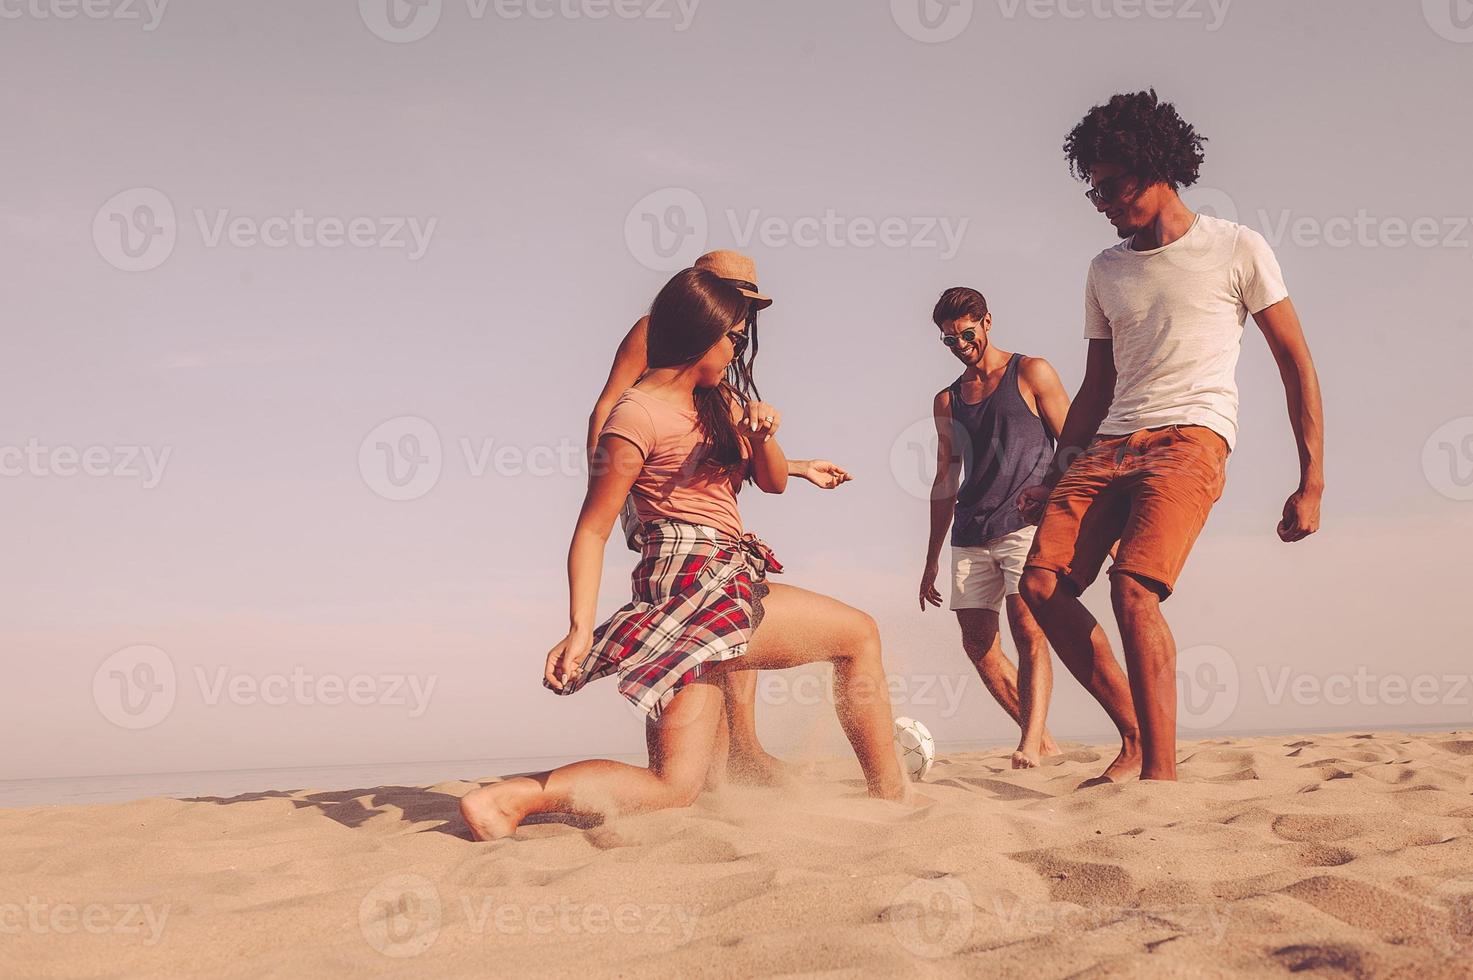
(684,441)
(748,761)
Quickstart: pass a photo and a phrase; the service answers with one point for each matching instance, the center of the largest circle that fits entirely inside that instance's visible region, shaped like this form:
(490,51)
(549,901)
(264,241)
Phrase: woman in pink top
(747,760)
(684,441)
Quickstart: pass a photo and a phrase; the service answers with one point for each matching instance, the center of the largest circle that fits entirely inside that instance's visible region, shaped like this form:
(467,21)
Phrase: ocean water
(73,790)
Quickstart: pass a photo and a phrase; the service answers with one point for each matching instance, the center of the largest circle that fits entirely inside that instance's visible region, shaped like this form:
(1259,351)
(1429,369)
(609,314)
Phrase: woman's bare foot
(1127,765)
(493,812)
(754,767)
(1022,760)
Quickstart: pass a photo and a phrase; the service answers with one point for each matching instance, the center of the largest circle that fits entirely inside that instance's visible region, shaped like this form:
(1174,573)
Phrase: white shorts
(982,577)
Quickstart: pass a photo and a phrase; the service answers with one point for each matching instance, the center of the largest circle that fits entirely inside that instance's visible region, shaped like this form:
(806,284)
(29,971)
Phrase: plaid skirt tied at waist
(694,590)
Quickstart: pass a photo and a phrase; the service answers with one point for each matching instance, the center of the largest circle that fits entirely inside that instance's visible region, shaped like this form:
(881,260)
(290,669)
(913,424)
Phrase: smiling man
(1143,454)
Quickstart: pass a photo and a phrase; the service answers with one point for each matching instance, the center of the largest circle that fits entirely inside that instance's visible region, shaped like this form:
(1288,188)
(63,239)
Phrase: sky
(306,306)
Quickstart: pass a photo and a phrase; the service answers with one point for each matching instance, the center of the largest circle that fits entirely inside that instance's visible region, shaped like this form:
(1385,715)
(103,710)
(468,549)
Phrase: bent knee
(1038,586)
(683,790)
(1131,592)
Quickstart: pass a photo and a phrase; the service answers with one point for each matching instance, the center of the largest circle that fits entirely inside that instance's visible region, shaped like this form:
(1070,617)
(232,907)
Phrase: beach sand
(1347,854)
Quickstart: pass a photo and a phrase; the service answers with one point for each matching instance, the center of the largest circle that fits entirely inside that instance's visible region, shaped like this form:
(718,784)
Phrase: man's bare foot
(1049,747)
(1022,760)
(1127,765)
(493,812)
(757,768)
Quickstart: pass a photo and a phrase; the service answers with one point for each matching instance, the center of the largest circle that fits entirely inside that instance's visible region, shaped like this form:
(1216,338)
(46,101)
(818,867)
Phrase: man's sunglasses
(953,340)
(1108,190)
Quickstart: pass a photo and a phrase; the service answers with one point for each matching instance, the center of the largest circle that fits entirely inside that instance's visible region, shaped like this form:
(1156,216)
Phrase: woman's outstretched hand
(823,474)
(564,659)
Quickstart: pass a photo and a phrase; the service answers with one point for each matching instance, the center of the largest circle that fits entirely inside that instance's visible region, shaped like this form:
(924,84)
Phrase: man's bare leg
(1081,643)
(1150,659)
(982,641)
(1035,685)
(748,761)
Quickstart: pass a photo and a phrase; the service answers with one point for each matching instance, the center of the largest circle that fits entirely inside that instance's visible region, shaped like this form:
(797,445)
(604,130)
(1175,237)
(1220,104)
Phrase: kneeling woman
(684,441)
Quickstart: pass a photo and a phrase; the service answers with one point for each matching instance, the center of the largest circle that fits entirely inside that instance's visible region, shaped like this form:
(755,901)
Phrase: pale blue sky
(527,142)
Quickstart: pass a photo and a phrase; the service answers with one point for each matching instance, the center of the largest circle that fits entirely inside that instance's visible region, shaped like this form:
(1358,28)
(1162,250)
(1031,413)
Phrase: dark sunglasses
(953,340)
(1108,190)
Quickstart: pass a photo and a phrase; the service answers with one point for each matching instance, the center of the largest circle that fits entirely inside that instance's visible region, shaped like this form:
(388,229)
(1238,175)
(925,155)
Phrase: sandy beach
(1347,854)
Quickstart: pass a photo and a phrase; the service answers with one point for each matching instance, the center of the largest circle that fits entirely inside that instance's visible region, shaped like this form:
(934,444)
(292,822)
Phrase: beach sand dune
(1347,854)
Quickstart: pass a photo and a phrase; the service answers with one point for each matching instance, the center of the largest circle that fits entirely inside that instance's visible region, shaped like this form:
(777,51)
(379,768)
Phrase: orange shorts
(1151,490)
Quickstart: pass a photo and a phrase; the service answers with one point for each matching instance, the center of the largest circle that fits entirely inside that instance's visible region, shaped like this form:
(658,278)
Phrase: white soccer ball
(915,747)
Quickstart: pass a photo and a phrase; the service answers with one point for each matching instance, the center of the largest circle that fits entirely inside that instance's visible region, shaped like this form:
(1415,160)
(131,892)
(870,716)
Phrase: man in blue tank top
(996,426)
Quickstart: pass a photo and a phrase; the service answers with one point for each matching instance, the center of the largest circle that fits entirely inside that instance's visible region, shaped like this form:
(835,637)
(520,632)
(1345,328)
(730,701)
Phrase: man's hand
(823,474)
(1031,502)
(928,585)
(1301,516)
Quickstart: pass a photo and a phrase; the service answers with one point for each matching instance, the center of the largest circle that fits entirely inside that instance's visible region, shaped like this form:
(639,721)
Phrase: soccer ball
(915,747)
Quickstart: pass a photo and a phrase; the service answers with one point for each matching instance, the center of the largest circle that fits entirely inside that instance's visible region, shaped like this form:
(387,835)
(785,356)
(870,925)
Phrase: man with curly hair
(1143,453)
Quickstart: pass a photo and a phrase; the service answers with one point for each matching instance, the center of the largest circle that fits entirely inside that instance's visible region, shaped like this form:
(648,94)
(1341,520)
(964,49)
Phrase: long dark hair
(693,311)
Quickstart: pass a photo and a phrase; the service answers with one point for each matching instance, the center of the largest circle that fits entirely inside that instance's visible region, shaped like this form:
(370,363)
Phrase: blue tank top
(1004,448)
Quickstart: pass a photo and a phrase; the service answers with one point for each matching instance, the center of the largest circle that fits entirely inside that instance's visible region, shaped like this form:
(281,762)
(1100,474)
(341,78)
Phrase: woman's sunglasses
(953,340)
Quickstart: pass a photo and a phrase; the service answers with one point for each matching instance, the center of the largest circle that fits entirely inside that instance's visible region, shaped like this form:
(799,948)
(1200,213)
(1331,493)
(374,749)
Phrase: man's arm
(1091,405)
(943,496)
(1049,396)
(1285,336)
(630,362)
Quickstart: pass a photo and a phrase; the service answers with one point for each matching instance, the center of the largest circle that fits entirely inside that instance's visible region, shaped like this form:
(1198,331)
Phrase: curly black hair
(1140,133)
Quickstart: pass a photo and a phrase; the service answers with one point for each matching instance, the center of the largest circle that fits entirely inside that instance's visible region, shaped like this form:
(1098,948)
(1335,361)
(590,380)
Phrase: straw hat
(736,267)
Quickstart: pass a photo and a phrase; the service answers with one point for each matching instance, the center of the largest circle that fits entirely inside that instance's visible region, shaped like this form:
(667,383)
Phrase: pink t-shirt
(674,482)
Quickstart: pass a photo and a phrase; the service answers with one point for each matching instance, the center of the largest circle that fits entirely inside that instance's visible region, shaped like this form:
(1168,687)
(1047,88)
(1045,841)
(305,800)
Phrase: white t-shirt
(1176,316)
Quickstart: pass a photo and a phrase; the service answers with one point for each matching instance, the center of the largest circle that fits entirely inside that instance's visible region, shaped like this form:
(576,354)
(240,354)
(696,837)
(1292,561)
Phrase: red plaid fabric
(692,606)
